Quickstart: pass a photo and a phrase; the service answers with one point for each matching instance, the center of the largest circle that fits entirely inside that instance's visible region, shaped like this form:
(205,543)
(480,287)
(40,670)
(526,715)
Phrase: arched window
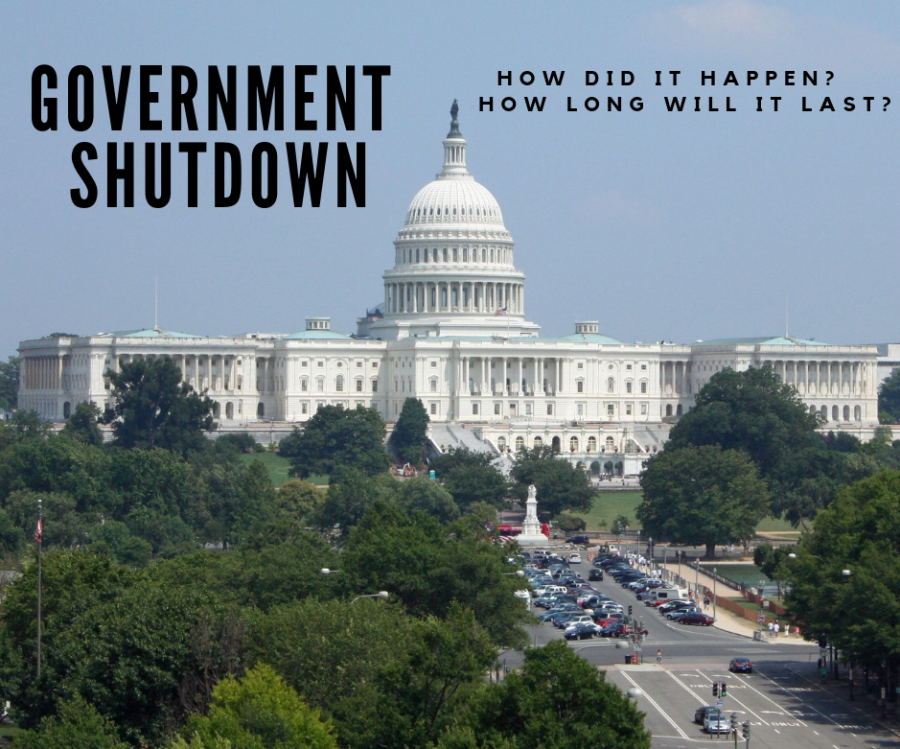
(669,409)
(678,410)
(304,384)
(834,413)
(261,410)
(592,445)
(610,445)
(538,442)
(67,410)
(229,410)
(611,385)
(608,466)
(857,414)
(846,413)
(320,384)
(555,444)
(823,412)
(339,383)
(812,410)
(573,444)
(643,386)
(520,443)
(501,443)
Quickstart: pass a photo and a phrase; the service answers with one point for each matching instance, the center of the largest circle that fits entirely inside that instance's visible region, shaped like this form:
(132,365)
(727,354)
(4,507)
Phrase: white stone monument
(531,529)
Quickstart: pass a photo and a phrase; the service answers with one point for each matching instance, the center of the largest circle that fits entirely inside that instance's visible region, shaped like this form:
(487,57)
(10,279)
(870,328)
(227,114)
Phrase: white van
(666,594)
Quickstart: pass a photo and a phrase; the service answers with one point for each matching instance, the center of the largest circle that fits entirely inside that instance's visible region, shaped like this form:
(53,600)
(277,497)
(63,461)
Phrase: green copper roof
(153,333)
(318,335)
(590,338)
(776,341)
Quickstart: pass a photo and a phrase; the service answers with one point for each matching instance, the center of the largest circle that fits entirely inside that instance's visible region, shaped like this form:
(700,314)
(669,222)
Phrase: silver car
(716,722)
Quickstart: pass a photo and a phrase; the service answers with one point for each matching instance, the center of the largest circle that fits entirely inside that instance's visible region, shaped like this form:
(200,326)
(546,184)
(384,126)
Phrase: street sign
(718,703)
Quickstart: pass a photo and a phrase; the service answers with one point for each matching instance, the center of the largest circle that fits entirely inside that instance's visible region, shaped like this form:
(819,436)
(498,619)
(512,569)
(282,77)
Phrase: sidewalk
(725,620)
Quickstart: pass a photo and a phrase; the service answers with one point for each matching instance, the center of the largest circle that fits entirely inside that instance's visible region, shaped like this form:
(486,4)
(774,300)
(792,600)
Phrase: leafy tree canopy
(154,408)
(9,383)
(336,437)
(470,478)
(300,499)
(260,711)
(77,725)
(82,424)
(889,399)
(428,496)
(560,486)
(410,432)
(860,533)
(557,701)
(702,495)
(428,566)
(350,494)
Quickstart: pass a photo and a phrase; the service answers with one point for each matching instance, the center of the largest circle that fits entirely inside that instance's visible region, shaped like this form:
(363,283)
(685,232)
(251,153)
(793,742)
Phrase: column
(504,389)
(519,389)
(466,374)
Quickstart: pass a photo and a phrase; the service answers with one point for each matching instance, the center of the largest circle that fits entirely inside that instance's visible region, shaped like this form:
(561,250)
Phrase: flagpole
(38,536)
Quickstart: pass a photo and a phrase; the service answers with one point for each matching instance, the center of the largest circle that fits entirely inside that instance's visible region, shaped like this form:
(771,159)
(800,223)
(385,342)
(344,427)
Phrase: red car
(697,617)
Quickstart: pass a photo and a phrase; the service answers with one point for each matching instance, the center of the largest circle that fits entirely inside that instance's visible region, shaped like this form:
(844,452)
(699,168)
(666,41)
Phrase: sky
(673,226)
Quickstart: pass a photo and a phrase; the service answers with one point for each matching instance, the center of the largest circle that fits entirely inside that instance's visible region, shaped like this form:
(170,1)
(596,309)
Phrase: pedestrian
(776,628)
(706,602)
(771,627)
(659,656)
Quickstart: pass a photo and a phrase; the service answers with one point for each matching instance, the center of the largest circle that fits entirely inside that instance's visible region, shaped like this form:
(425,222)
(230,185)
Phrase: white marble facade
(451,330)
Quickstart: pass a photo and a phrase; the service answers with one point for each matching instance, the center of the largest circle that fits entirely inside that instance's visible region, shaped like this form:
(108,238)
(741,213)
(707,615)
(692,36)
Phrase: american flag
(499,312)
(39,531)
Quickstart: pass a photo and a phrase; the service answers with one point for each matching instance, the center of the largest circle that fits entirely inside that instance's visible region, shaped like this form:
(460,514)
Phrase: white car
(574,558)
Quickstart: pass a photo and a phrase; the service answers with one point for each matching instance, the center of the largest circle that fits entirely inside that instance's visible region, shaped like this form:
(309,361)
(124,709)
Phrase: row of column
(475,375)
(809,376)
(41,372)
(454,296)
(674,378)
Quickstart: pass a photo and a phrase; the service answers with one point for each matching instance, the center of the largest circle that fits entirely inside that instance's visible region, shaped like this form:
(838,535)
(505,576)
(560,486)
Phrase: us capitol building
(451,331)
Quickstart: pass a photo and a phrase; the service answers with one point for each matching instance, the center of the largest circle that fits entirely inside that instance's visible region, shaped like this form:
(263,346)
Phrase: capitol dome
(455,199)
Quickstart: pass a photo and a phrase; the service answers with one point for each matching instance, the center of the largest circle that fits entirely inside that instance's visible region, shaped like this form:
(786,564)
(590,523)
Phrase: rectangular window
(475,409)
(320,364)
(303,363)
(528,407)
(580,365)
(496,409)
(374,365)
(580,386)
(643,367)
(643,387)
(433,386)
(628,409)
(581,409)
(434,365)
(359,364)
(643,409)
(627,366)
(359,386)
(303,386)
(610,410)
(434,409)
(549,409)
(628,386)
(320,385)
(304,408)
(374,386)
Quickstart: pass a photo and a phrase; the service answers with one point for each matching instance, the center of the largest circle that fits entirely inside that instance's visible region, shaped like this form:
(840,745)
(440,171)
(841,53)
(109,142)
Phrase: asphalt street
(780,699)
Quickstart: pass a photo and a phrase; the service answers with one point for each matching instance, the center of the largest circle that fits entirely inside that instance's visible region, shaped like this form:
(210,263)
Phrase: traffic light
(724,693)
(715,689)
(734,723)
(745,730)
(629,611)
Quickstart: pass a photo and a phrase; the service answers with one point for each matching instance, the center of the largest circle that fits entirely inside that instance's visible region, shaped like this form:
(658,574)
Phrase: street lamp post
(715,580)
(379,594)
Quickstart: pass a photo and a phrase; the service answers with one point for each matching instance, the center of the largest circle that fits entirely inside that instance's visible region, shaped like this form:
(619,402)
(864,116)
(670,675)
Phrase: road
(780,700)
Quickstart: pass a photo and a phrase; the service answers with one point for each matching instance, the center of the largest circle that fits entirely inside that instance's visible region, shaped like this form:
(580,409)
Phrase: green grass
(278,467)
(608,506)
(748,574)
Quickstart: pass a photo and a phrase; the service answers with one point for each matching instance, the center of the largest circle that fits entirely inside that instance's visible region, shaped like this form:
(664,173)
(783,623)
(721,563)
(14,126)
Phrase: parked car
(678,614)
(581,631)
(697,617)
(701,712)
(740,666)
(574,558)
(595,574)
(613,629)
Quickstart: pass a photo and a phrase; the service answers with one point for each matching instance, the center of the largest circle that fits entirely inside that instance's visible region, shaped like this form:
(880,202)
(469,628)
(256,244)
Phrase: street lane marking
(654,703)
(769,699)
(752,712)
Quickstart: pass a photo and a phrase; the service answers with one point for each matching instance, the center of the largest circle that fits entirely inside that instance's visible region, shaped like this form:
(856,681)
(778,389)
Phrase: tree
(470,478)
(9,383)
(428,496)
(889,399)
(756,412)
(336,437)
(557,701)
(428,566)
(560,486)
(82,424)
(260,711)
(410,432)
(77,725)
(701,495)
(858,533)
(350,494)
(299,499)
(154,408)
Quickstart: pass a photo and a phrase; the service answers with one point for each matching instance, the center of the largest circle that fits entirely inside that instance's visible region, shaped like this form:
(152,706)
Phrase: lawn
(608,506)
(279,467)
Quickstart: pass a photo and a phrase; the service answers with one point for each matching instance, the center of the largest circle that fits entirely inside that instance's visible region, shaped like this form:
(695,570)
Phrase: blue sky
(675,226)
